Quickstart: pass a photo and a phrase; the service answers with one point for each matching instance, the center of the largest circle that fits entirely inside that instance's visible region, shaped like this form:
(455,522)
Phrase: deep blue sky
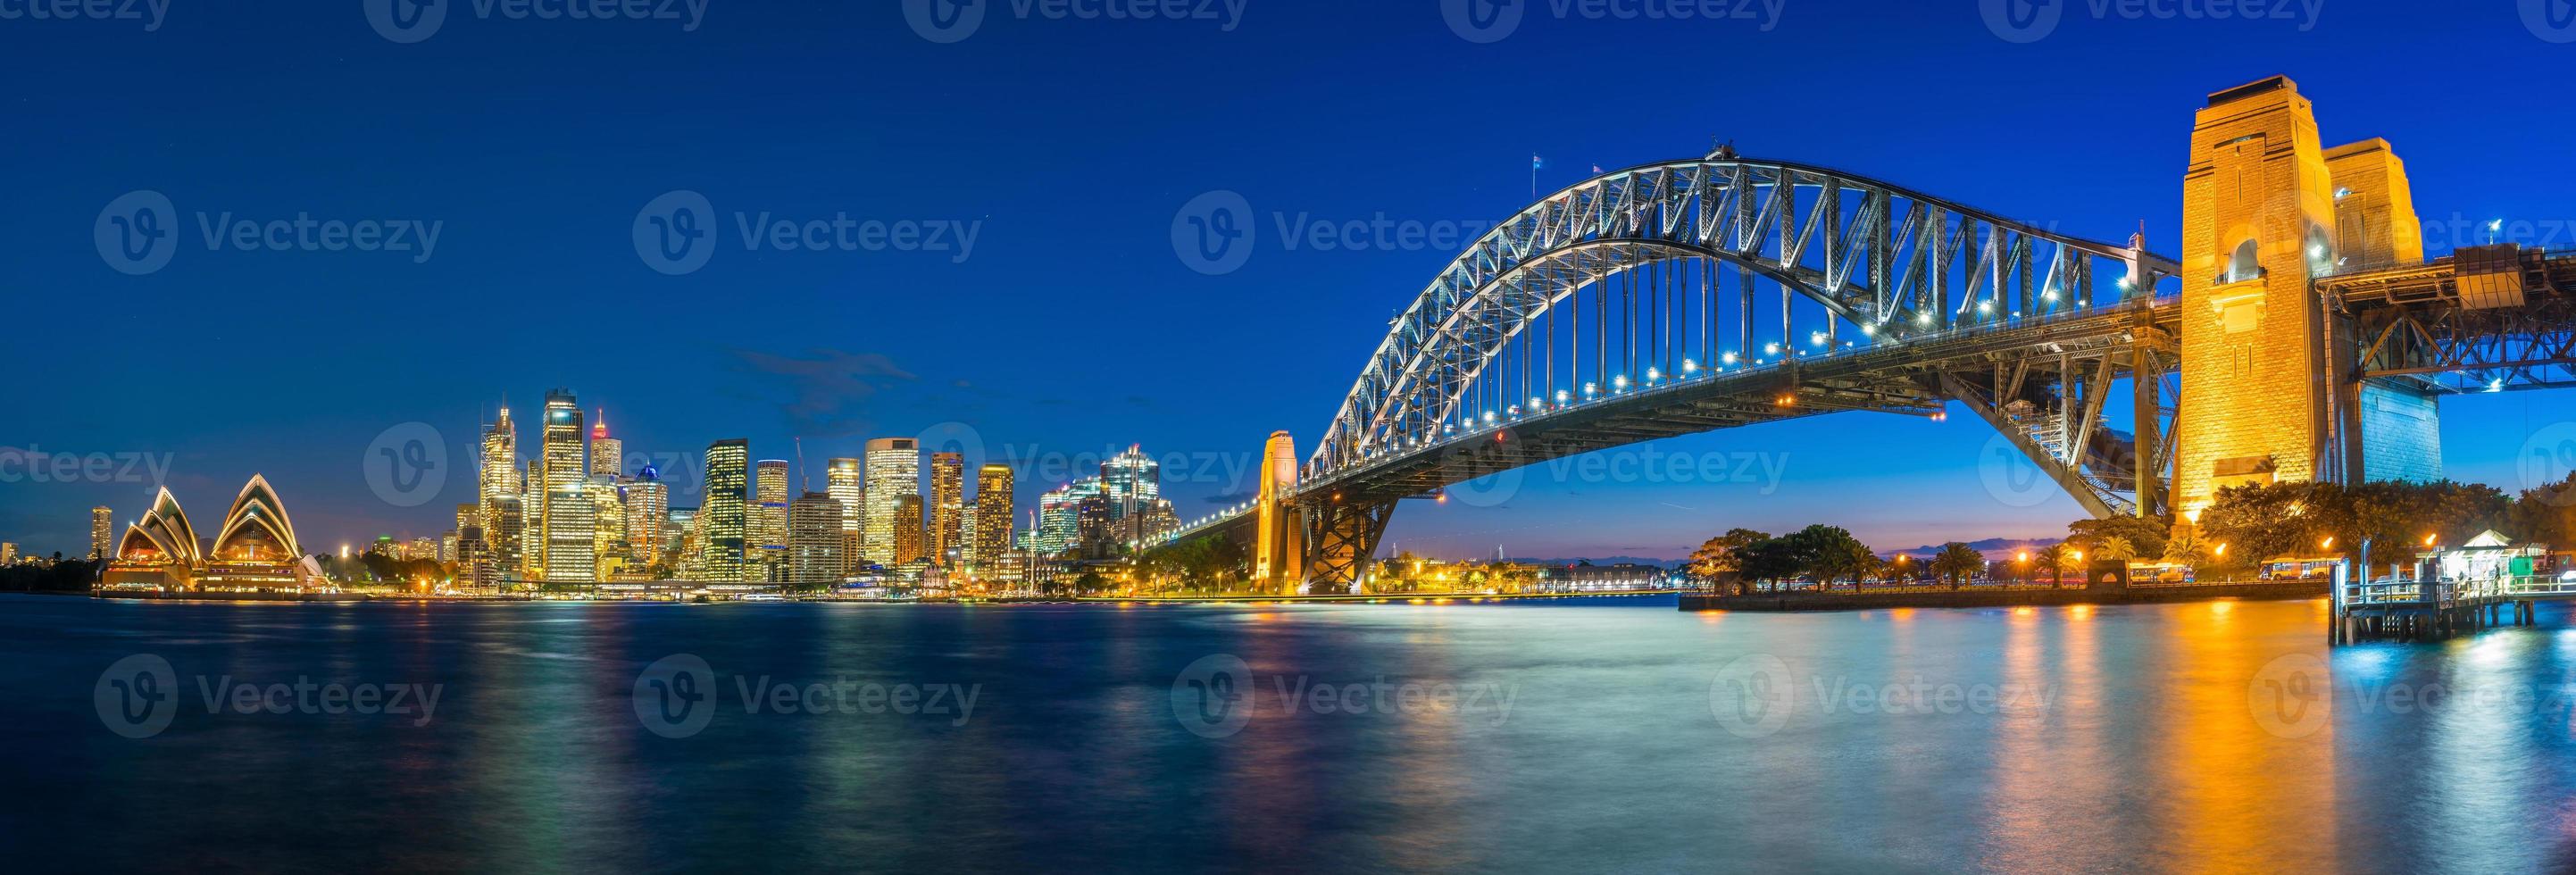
(1073,327)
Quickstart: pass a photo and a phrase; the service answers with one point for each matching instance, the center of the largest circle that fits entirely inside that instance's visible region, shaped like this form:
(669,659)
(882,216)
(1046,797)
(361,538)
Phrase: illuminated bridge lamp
(1689,366)
(1770,349)
(1563,395)
(1923,319)
(1653,374)
(1589,389)
(1815,338)
(1619,383)
(1728,359)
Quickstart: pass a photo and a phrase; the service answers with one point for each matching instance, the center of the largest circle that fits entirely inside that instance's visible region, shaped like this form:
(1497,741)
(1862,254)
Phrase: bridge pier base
(1340,538)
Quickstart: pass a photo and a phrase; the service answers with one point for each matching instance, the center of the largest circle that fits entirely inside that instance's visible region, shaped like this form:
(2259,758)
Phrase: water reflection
(2044,739)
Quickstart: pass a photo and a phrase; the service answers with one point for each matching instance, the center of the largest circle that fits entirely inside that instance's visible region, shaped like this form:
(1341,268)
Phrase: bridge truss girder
(1869,253)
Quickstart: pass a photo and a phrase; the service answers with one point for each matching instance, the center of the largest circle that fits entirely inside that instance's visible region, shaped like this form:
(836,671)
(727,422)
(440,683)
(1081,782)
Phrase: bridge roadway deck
(1900,377)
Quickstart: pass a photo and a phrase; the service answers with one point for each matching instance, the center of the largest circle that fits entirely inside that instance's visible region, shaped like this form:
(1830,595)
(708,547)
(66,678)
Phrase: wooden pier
(2412,610)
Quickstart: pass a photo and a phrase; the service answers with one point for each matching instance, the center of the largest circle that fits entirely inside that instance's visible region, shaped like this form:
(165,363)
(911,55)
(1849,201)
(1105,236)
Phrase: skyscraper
(724,509)
(567,514)
(907,530)
(814,539)
(608,524)
(992,518)
(607,454)
(498,479)
(648,514)
(894,472)
(769,517)
(947,504)
(102,524)
(1059,526)
(846,484)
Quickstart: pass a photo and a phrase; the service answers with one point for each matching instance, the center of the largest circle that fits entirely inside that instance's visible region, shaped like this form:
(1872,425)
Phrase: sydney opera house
(254,551)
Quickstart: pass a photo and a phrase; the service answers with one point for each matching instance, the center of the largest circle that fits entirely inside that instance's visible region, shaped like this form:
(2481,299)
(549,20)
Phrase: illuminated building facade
(723,514)
(102,532)
(814,539)
(893,474)
(992,542)
(565,513)
(648,512)
(947,505)
(607,454)
(769,519)
(907,535)
(845,480)
(254,550)
(497,481)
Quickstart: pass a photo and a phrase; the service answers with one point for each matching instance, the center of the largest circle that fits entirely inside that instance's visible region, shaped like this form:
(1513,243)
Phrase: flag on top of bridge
(1537,162)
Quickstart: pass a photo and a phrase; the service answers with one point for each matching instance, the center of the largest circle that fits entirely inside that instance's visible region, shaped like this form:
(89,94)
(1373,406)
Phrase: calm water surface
(1604,735)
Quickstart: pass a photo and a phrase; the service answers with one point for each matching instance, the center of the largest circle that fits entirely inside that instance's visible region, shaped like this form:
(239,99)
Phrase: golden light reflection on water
(2236,796)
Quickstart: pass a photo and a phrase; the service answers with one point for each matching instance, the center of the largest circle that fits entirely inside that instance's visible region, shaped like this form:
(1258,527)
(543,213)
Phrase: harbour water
(1601,735)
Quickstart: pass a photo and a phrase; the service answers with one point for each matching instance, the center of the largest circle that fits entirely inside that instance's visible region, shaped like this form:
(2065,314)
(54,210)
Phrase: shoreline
(1376,598)
(2003,598)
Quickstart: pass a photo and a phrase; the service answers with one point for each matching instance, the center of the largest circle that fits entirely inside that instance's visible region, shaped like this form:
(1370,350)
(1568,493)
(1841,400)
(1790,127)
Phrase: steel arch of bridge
(1870,253)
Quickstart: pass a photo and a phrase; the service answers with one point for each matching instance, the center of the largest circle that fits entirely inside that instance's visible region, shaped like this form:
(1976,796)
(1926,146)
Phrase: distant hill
(1598,560)
(1989,546)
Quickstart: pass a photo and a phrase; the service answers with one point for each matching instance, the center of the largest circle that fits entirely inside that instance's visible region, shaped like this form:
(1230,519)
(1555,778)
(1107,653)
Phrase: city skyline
(833,383)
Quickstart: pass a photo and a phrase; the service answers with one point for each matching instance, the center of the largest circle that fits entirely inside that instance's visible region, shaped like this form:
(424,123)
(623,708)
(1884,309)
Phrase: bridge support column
(1341,536)
(2146,384)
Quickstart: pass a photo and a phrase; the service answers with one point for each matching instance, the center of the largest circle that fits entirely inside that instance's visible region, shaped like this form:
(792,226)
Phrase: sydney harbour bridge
(2301,334)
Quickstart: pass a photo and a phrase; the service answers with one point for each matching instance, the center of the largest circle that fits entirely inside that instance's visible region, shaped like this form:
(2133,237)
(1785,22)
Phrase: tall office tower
(894,473)
(608,526)
(565,513)
(468,516)
(474,559)
(1059,526)
(102,523)
(845,481)
(607,454)
(947,505)
(992,516)
(648,514)
(448,544)
(689,554)
(8,552)
(1131,480)
(814,539)
(724,509)
(507,533)
(498,478)
(966,521)
(907,530)
(769,517)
